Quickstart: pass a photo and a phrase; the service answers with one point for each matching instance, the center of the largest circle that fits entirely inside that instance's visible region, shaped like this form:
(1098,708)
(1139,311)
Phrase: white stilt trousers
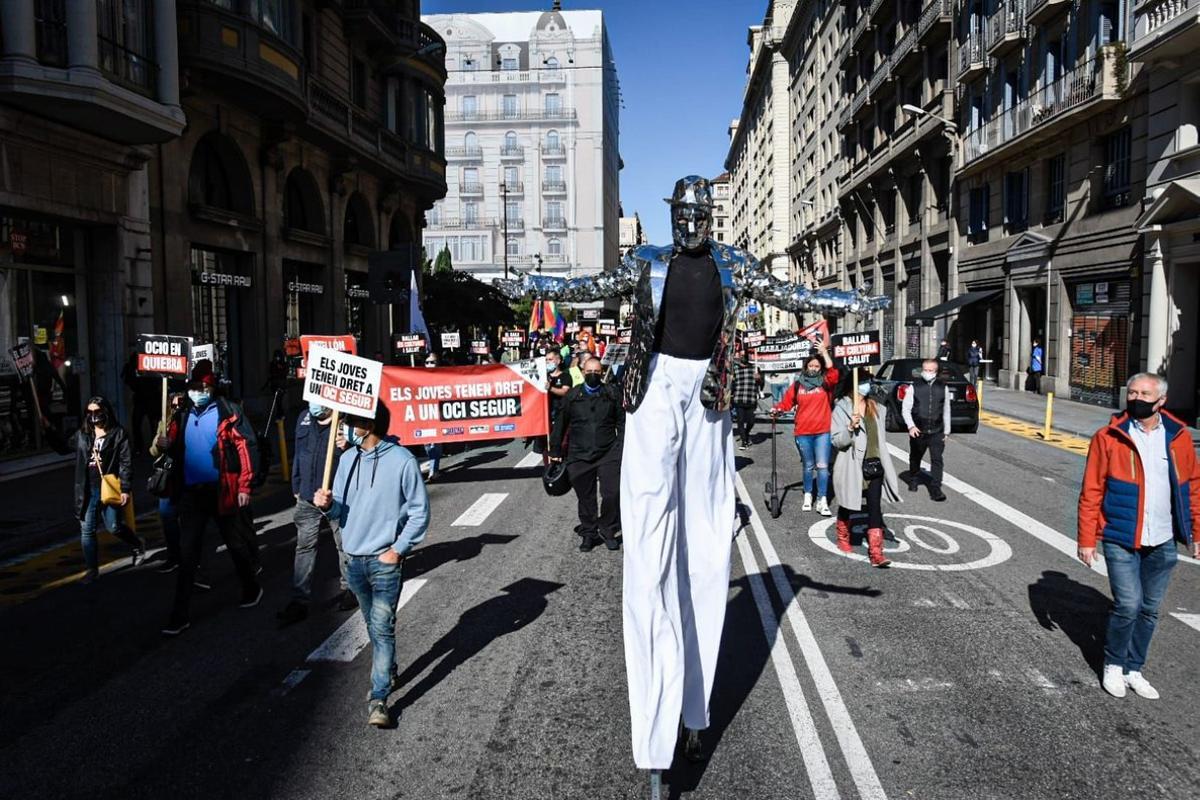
(677,521)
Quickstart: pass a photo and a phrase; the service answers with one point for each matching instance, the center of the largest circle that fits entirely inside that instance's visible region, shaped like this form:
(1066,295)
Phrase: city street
(968,670)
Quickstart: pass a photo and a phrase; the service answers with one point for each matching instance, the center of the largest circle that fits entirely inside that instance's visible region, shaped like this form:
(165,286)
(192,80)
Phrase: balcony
(554,187)
(1007,30)
(510,224)
(972,61)
(514,151)
(374,21)
(476,224)
(882,75)
(534,115)
(460,153)
(878,6)
(1042,10)
(1091,87)
(1165,29)
(860,27)
(906,47)
(470,188)
(935,18)
(554,223)
(501,76)
(512,188)
(859,104)
(554,151)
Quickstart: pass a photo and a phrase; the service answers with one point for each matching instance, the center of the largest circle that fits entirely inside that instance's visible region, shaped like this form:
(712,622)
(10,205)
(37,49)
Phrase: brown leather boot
(843,534)
(875,548)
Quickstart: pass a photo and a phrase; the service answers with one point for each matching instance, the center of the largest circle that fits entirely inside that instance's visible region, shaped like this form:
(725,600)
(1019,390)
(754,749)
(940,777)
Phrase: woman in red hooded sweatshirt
(811,395)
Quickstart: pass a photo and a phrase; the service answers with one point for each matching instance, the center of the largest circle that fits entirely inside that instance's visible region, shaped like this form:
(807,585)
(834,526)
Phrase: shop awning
(952,305)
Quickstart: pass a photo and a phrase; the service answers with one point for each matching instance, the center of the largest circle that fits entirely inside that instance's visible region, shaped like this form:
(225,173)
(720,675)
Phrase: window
(513,248)
(50,31)
(471,212)
(512,176)
(1056,188)
(276,16)
(470,176)
(551,63)
(977,224)
(508,64)
(913,199)
(553,143)
(358,83)
(125,36)
(470,105)
(554,210)
(887,208)
(469,64)
(1016,201)
(554,247)
(554,173)
(1116,169)
(471,141)
(509,105)
(512,211)
(553,104)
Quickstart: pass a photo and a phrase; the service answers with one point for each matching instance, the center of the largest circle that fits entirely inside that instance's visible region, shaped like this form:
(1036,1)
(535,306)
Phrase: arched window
(470,140)
(554,247)
(357,227)
(552,140)
(302,206)
(219,177)
(552,63)
(510,140)
(514,248)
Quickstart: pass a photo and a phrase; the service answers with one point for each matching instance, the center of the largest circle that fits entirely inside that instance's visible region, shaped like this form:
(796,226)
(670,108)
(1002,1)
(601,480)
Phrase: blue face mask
(864,389)
(317,411)
(353,436)
(199,399)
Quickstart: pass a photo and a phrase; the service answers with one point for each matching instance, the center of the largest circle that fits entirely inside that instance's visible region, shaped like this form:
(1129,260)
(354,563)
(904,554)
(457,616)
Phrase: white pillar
(1159,328)
(20,35)
(83,50)
(166,50)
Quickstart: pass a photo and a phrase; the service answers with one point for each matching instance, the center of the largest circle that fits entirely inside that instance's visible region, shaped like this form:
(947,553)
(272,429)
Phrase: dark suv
(889,386)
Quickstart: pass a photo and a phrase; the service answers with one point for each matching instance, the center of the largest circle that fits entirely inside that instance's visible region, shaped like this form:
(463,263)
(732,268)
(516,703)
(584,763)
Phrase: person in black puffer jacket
(102,448)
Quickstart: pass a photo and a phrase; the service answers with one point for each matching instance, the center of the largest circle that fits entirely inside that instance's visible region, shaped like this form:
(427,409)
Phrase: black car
(889,385)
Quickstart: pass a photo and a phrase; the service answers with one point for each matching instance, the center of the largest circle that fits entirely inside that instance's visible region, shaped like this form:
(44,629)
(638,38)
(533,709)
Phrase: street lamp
(917,111)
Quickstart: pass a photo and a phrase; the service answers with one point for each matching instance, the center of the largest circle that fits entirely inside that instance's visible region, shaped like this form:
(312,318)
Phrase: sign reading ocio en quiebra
(341,381)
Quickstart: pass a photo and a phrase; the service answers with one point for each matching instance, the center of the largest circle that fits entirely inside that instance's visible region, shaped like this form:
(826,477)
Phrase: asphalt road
(968,671)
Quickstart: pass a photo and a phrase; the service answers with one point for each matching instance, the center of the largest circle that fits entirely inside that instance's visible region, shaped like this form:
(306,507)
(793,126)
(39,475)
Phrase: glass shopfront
(358,304)
(303,286)
(40,293)
(221,285)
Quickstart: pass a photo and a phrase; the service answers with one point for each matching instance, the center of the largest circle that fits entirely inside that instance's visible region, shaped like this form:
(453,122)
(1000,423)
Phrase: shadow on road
(741,663)
(523,602)
(1076,609)
(430,557)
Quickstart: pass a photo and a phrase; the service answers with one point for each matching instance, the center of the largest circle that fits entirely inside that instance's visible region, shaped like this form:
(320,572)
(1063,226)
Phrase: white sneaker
(1114,680)
(823,507)
(807,502)
(1141,687)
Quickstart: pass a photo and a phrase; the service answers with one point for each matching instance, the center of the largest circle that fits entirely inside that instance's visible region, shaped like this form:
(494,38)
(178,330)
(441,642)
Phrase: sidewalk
(1076,419)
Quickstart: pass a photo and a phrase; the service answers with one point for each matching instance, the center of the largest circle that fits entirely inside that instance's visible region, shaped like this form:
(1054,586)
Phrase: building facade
(85,99)
(1166,38)
(532,140)
(722,208)
(314,140)
(632,233)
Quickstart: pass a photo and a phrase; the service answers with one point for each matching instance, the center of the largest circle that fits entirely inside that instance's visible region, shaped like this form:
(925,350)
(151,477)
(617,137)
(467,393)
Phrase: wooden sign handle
(164,403)
(333,432)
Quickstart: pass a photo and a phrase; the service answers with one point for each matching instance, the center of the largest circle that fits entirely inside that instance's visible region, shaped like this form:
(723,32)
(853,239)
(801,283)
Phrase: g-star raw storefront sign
(163,356)
(343,382)
(224,279)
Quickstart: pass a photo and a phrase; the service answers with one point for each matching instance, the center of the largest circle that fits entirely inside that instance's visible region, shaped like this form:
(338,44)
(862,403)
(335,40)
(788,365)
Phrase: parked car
(890,384)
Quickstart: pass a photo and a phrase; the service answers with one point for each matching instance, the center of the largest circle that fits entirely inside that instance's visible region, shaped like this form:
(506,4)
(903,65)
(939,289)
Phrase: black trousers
(198,505)
(585,476)
(935,444)
(873,494)
(744,417)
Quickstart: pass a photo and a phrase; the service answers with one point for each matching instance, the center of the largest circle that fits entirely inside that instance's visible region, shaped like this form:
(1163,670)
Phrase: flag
(416,318)
(58,344)
(819,328)
(544,316)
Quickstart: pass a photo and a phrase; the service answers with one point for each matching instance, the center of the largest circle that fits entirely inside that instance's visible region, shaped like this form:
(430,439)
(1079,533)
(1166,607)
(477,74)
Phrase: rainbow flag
(545,315)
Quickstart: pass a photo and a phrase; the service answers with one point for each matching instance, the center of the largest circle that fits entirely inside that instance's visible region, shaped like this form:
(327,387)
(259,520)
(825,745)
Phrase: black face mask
(592,380)
(99,418)
(1140,409)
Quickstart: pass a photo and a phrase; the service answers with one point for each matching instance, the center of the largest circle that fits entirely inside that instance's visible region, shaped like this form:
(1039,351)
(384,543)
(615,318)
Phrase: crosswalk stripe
(530,460)
(347,642)
(480,510)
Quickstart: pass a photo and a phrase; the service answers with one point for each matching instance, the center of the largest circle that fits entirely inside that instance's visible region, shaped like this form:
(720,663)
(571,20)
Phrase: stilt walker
(677,470)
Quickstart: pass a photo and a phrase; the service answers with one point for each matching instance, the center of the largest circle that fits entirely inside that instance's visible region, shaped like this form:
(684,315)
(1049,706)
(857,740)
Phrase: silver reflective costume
(643,273)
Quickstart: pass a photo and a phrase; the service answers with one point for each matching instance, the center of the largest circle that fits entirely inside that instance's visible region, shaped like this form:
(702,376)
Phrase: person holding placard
(811,395)
(380,502)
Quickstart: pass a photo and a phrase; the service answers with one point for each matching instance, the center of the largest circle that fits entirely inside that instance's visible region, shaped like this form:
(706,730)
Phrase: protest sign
(862,349)
(345,344)
(22,358)
(589,313)
(163,356)
(514,338)
(451,340)
(817,331)
(614,354)
(204,352)
(572,327)
(467,404)
(606,327)
(344,382)
(624,335)
(783,357)
(480,347)
(754,337)
(407,344)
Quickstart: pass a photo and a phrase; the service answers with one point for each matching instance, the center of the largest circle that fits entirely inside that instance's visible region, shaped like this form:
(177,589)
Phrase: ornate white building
(531,144)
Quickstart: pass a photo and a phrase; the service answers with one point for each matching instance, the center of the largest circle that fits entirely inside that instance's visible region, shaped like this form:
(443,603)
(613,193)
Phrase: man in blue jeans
(379,500)
(1140,495)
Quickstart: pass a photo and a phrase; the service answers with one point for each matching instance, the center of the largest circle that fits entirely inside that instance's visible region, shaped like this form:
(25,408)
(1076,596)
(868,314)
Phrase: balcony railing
(877,6)
(1166,28)
(1041,10)
(543,75)
(1094,80)
(554,151)
(511,116)
(882,73)
(859,29)
(937,11)
(905,46)
(511,224)
(554,223)
(515,151)
(470,188)
(465,153)
(971,58)
(1006,28)
(554,187)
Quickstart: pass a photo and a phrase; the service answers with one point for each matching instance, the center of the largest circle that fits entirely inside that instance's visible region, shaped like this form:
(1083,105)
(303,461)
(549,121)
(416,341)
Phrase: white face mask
(864,389)
(928,376)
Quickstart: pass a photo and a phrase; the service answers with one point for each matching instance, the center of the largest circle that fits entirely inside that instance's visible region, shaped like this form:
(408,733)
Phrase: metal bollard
(285,468)
(1049,415)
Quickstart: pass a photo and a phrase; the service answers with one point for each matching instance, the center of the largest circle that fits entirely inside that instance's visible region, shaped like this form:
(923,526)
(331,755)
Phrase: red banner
(346,344)
(820,328)
(466,404)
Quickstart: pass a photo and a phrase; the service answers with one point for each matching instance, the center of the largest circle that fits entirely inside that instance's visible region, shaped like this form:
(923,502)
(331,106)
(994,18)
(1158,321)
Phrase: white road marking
(999,550)
(347,642)
(1038,530)
(955,600)
(911,685)
(292,681)
(1039,680)
(480,510)
(815,763)
(924,602)
(530,460)
(1191,620)
(862,771)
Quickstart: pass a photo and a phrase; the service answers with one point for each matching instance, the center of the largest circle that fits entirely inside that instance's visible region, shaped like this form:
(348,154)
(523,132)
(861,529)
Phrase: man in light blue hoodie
(379,499)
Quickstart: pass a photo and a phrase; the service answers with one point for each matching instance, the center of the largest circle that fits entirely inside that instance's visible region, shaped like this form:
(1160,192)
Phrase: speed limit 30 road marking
(927,533)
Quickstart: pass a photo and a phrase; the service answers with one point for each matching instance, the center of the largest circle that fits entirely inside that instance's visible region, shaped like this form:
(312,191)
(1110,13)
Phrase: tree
(443,264)
(458,301)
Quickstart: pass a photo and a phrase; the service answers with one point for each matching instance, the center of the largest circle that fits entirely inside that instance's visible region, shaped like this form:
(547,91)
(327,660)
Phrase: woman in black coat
(102,448)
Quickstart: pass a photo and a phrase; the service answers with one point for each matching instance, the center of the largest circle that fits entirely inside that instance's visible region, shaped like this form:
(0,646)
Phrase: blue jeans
(114,521)
(815,450)
(377,587)
(308,519)
(1138,579)
(434,453)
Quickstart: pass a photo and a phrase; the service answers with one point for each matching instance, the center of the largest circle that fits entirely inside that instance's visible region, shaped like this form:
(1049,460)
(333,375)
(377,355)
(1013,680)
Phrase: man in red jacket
(812,397)
(1140,495)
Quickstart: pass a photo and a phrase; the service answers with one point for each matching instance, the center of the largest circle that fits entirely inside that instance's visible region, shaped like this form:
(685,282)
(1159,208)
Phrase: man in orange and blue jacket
(1140,495)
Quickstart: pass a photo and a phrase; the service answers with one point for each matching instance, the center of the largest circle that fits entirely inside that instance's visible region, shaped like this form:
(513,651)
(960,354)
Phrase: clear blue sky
(682,67)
